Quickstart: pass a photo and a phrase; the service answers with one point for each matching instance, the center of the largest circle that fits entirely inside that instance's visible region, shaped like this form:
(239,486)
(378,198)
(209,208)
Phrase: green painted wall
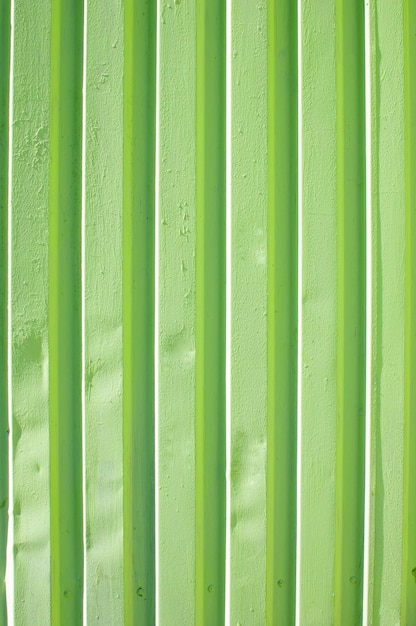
(207,337)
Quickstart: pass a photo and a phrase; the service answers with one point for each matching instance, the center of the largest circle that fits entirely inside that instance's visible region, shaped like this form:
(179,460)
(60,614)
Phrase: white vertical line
(300,316)
(83,232)
(228,299)
(369,270)
(156,336)
(10,529)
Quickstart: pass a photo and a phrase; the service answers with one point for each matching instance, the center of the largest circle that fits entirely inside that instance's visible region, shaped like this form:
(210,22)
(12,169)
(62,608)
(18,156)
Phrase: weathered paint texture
(143,489)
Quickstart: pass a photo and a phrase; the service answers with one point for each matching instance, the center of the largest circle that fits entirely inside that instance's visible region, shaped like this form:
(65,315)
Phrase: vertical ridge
(138,311)
(282,312)
(351,228)
(210,312)
(65,312)
(408,601)
(5,43)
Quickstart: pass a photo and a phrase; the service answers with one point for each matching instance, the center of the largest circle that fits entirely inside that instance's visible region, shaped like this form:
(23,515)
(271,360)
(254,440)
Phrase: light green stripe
(210,312)
(351,271)
(65,312)
(103,312)
(319,296)
(4,147)
(29,310)
(249,305)
(282,312)
(176,389)
(138,312)
(408,602)
(388,233)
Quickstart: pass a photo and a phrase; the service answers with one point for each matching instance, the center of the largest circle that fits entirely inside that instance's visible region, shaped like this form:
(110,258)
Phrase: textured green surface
(103,310)
(29,312)
(4,148)
(248,313)
(319,315)
(176,304)
(388,313)
(150,545)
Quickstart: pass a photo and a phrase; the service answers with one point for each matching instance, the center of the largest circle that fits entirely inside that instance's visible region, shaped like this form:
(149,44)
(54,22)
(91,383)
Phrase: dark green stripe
(210,312)
(409,512)
(138,312)
(351,311)
(282,312)
(65,312)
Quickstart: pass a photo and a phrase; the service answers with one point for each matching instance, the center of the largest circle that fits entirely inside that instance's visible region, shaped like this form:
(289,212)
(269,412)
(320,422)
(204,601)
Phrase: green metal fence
(208,323)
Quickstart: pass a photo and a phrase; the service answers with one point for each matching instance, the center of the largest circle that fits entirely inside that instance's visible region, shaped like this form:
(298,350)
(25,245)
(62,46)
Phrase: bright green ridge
(65,312)
(138,311)
(282,317)
(210,312)
(351,228)
(4,147)
(408,603)
(248,391)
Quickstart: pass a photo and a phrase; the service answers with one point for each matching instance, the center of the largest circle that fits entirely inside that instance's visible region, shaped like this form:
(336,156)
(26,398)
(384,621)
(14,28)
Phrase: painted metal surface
(207,405)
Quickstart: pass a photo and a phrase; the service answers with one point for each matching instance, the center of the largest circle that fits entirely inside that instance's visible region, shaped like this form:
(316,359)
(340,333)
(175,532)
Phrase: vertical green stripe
(388,312)
(104,579)
(248,313)
(176,304)
(351,271)
(282,312)
(408,608)
(4,148)
(29,311)
(65,311)
(319,256)
(210,312)
(138,311)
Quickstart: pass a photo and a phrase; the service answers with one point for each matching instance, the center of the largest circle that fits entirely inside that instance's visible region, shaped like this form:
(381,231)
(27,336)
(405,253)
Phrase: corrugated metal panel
(207,329)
